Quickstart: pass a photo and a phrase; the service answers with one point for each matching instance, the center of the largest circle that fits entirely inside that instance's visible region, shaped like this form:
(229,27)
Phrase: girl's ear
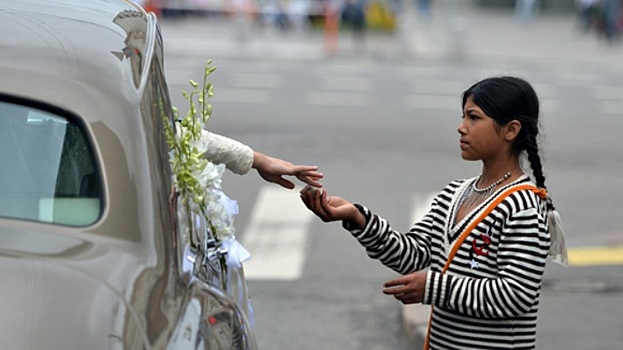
(512,130)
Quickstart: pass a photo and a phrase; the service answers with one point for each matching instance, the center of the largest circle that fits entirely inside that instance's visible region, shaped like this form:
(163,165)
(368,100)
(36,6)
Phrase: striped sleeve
(521,258)
(403,253)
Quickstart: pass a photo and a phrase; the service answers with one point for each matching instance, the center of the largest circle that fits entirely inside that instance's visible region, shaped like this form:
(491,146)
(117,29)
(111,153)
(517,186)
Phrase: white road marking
(569,78)
(241,95)
(545,89)
(611,107)
(277,235)
(443,102)
(421,206)
(261,81)
(610,98)
(354,66)
(346,99)
(604,92)
(550,105)
(438,87)
(348,84)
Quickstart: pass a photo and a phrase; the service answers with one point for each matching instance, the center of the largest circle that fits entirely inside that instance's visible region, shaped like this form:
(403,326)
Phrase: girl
(484,241)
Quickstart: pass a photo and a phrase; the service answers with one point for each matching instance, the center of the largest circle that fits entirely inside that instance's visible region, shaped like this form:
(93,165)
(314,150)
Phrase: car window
(48,172)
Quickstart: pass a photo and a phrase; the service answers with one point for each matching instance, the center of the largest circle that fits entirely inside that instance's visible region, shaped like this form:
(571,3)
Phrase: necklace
(473,195)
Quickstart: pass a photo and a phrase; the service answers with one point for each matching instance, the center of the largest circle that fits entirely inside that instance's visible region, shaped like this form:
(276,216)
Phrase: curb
(415,323)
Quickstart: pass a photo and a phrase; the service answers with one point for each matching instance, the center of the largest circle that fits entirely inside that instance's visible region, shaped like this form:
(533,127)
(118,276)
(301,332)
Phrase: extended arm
(240,158)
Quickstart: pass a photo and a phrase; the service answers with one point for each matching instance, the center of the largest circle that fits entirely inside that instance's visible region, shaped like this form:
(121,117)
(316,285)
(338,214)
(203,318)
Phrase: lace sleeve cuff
(236,156)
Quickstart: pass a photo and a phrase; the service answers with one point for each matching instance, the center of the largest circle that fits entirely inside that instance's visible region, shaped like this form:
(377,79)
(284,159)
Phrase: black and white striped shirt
(489,297)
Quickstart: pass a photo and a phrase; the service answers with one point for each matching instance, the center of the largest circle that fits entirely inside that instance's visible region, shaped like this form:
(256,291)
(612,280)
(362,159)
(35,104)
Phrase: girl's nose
(461,127)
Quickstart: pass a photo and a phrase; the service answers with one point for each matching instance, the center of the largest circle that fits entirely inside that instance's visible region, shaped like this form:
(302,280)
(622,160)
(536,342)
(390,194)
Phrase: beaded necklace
(473,195)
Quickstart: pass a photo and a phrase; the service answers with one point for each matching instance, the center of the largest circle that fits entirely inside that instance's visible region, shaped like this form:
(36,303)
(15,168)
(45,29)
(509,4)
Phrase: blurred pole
(243,11)
(456,29)
(331,27)
(405,12)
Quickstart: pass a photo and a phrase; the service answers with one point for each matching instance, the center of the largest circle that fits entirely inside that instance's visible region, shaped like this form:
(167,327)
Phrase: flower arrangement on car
(205,213)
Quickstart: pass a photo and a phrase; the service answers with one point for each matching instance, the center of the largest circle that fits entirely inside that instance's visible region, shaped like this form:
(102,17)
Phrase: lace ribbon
(236,255)
(558,247)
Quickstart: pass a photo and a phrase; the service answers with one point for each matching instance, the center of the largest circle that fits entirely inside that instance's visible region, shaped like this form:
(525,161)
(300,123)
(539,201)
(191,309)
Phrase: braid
(532,150)
(535,161)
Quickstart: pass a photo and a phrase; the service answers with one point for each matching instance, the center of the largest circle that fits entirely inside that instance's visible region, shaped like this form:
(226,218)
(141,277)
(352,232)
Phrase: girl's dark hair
(510,98)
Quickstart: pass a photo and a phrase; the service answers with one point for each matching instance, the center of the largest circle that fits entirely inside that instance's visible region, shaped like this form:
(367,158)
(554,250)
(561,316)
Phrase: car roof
(74,53)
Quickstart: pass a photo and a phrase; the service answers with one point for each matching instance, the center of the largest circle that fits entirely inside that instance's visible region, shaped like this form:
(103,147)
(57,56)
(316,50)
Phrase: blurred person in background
(353,15)
(612,19)
(424,9)
(604,17)
(526,10)
(588,10)
(275,13)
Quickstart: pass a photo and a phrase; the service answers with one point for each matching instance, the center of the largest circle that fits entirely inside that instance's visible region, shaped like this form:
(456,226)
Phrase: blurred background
(370,91)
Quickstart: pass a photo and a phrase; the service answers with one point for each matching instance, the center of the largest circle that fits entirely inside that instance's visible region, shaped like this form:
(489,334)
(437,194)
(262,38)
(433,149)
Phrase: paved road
(381,122)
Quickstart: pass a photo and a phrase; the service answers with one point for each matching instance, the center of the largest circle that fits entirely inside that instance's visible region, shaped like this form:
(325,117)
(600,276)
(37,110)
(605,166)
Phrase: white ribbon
(558,247)
(236,253)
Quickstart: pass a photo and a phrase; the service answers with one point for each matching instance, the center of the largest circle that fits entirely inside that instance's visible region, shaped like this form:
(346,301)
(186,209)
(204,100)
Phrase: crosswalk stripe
(421,206)
(606,92)
(242,95)
(257,81)
(277,235)
(611,107)
(451,88)
(346,99)
(442,102)
(346,84)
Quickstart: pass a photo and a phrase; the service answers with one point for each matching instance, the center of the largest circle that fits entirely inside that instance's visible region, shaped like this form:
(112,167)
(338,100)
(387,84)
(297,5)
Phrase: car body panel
(118,283)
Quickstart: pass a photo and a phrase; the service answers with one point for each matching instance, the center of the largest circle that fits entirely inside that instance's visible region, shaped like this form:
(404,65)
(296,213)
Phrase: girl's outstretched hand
(408,289)
(330,208)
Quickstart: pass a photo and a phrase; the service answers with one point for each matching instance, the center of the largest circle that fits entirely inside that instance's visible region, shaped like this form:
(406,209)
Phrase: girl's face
(480,139)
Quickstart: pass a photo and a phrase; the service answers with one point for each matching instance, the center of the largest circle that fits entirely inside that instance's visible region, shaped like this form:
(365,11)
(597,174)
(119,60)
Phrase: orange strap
(541,192)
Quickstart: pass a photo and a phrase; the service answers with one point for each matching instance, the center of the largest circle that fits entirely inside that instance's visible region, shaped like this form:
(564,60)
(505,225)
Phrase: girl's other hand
(408,289)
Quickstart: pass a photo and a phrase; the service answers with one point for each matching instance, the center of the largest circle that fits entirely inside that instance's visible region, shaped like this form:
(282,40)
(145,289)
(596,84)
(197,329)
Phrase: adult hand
(331,208)
(273,169)
(408,289)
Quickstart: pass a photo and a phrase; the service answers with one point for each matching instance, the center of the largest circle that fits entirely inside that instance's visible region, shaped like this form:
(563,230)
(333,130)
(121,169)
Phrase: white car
(90,253)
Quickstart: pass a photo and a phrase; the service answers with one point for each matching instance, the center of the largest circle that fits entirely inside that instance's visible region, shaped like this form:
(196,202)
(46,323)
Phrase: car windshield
(48,173)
